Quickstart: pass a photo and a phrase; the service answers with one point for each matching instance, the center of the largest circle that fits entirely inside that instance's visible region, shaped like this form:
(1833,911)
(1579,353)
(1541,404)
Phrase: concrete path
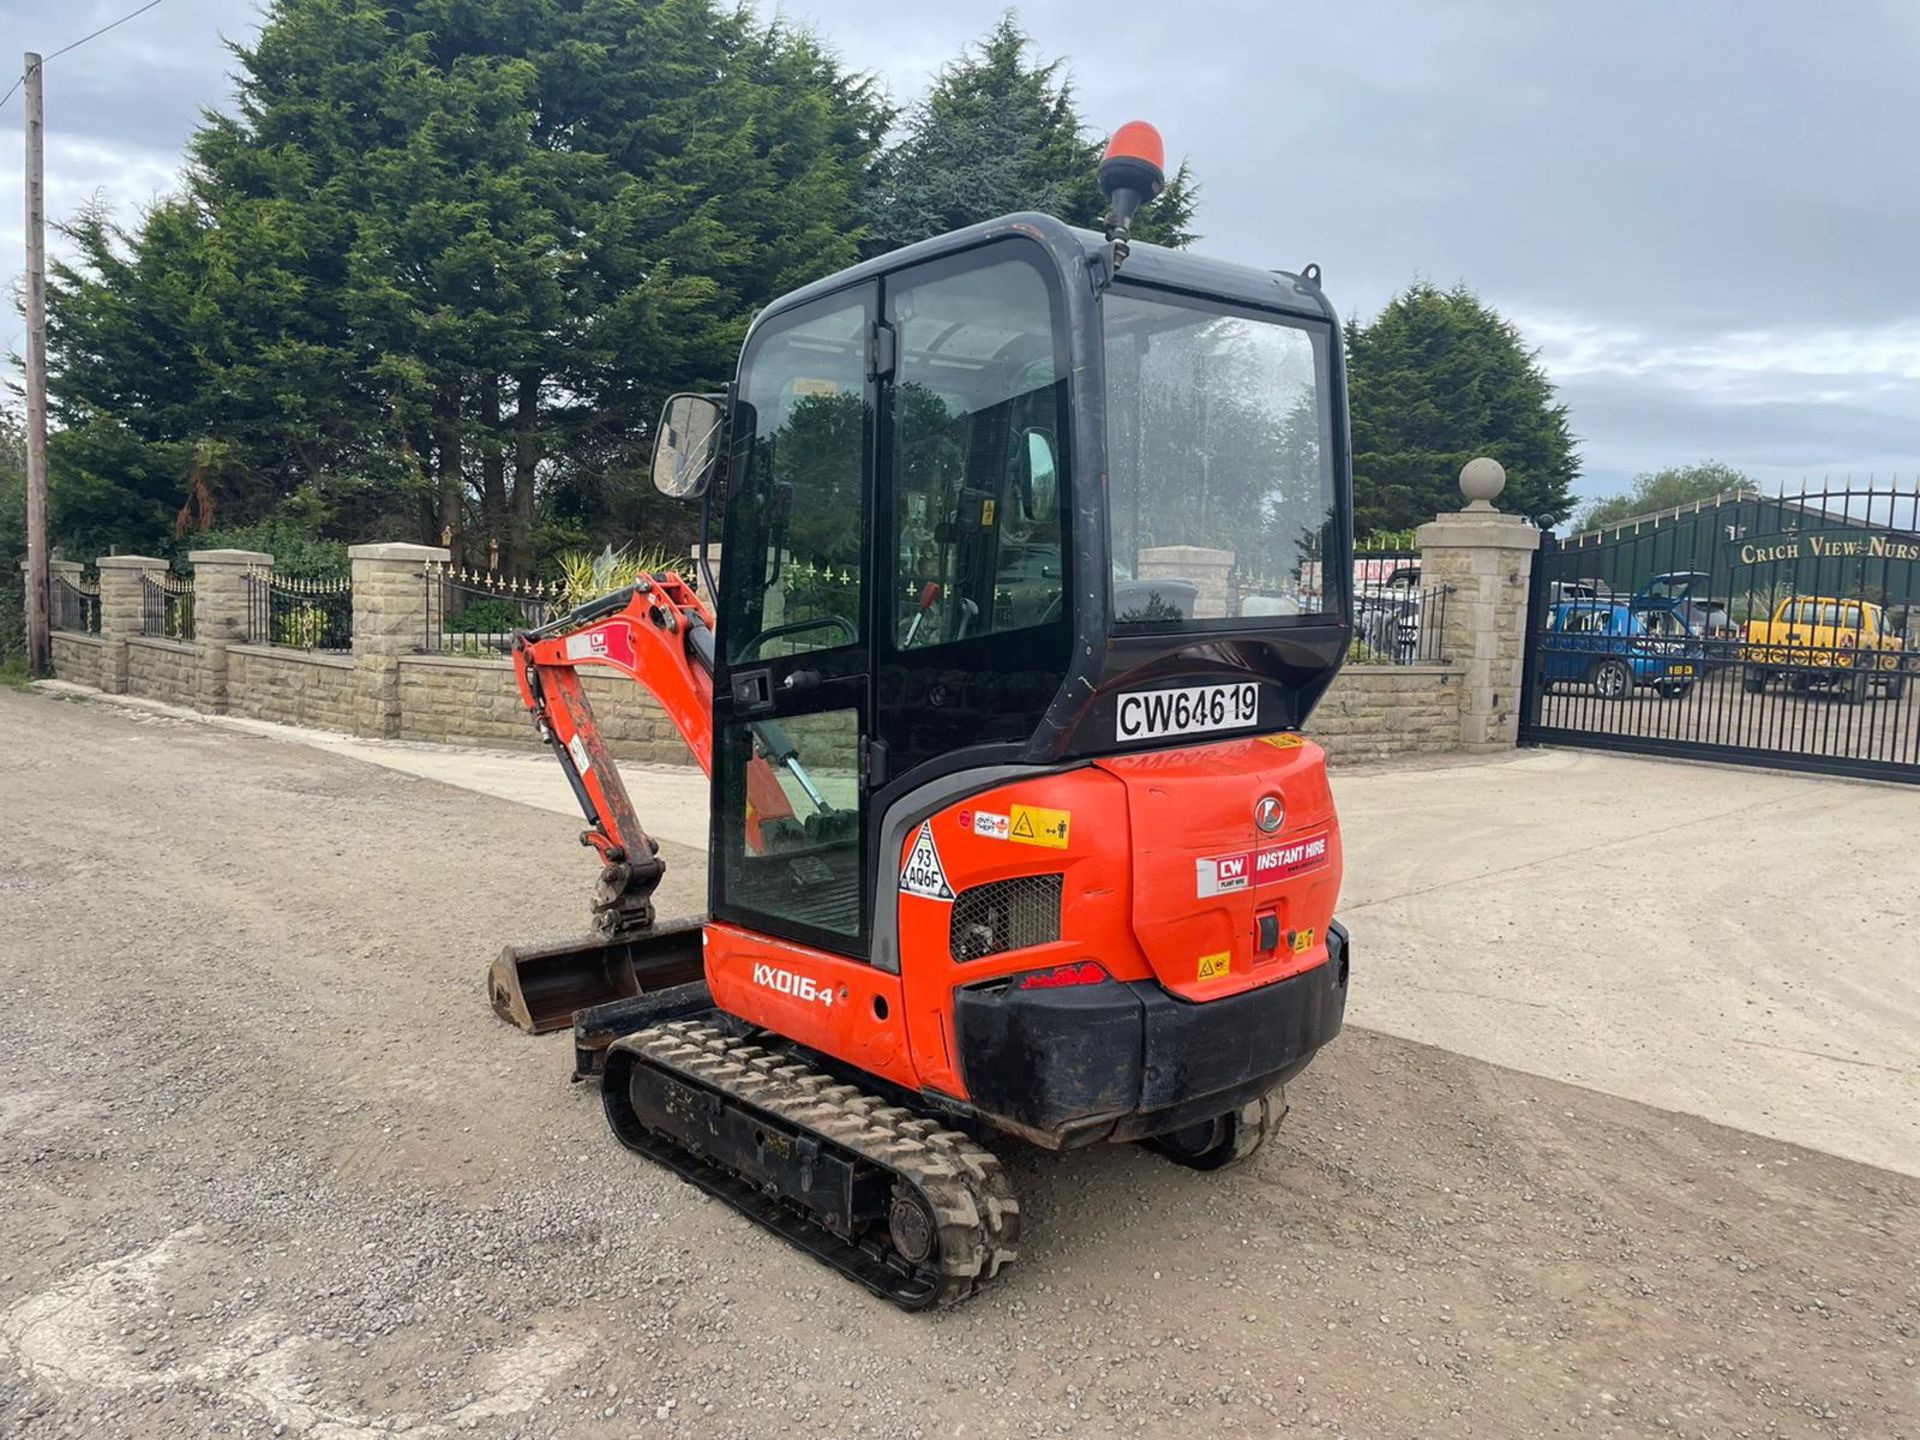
(671,799)
(1735,944)
(1738,944)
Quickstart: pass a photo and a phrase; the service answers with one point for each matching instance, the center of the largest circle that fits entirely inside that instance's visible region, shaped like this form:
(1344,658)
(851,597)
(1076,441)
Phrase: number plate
(1196,710)
(1679,669)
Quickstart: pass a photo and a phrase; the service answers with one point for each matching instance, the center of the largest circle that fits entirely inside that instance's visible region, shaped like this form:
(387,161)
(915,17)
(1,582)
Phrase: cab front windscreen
(1221,495)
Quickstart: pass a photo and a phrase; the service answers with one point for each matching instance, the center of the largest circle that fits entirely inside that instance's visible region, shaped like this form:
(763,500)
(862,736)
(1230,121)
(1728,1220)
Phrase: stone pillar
(1207,568)
(220,601)
(1486,558)
(122,607)
(389,620)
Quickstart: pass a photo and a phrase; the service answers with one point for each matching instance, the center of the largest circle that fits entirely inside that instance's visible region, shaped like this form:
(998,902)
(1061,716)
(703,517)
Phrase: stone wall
(385,689)
(160,669)
(1375,712)
(476,702)
(293,687)
(78,657)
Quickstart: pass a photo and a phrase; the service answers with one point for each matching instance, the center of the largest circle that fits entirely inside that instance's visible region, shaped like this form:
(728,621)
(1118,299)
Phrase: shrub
(301,628)
(486,617)
(297,551)
(585,578)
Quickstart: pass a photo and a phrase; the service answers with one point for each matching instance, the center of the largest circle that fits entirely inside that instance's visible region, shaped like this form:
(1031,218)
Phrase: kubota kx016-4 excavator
(1037,551)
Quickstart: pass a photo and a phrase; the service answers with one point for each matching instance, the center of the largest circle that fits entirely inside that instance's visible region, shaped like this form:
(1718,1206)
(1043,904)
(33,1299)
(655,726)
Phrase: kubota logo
(1269,814)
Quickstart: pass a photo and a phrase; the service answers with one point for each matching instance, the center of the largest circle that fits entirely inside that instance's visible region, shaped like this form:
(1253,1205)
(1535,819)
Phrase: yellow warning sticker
(1212,967)
(1033,825)
(1302,941)
(986,513)
(1284,742)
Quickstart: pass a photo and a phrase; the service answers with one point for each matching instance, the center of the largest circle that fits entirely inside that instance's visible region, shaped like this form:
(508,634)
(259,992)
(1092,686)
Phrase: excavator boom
(658,633)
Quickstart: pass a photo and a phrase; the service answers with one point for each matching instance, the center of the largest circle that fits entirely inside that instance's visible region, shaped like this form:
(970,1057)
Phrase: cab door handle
(752,691)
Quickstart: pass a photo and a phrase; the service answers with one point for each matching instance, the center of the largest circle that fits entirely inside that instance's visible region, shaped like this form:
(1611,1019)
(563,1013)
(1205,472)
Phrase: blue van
(1615,647)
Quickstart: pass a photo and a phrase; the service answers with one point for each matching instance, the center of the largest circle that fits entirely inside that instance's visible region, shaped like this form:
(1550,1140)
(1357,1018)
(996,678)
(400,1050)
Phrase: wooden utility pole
(39,638)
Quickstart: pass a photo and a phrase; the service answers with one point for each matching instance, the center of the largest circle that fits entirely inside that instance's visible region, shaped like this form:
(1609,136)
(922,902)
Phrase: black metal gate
(1765,630)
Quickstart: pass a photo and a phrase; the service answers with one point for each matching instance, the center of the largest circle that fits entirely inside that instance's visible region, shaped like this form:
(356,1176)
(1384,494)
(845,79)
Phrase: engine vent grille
(1006,915)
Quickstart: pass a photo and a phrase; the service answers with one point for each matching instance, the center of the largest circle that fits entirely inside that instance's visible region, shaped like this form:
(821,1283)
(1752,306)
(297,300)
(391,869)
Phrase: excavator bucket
(539,987)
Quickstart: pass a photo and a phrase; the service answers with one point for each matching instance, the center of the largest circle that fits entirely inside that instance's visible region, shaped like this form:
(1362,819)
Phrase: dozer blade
(539,987)
(594,1030)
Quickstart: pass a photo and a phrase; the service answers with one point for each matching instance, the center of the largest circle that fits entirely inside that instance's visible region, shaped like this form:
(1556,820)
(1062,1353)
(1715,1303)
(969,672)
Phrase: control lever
(929,594)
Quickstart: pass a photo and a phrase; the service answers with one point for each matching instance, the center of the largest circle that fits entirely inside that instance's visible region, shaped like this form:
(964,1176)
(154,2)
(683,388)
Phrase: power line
(130,15)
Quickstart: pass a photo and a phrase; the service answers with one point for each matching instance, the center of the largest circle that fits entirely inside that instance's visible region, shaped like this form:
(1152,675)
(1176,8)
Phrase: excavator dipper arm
(659,634)
(655,632)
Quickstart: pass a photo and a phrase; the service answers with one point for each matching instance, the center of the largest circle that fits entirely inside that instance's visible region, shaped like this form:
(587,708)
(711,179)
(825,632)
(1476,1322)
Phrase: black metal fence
(166,607)
(475,613)
(299,614)
(817,609)
(1780,630)
(76,606)
(1396,619)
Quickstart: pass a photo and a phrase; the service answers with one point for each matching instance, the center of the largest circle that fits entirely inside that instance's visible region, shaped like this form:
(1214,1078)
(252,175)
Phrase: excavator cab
(991,502)
(1034,556)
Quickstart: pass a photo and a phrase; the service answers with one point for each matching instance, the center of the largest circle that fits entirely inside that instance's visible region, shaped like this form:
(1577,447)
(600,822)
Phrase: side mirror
(686,446)
(1040,478)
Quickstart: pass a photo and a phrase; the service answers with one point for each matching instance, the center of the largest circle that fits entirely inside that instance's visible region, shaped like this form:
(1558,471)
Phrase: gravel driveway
(271,1168)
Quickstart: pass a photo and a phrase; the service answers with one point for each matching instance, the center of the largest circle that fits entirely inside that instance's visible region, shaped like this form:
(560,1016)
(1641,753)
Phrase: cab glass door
(971,623)
(792,694)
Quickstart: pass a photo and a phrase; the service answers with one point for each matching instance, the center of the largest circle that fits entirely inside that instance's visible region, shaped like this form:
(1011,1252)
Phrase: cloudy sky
(1705,214)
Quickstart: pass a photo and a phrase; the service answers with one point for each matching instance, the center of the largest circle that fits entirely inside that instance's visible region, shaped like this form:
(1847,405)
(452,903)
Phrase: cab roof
(1072,247)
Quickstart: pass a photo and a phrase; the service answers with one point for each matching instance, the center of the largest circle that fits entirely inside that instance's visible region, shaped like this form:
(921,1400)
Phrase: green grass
(13,673)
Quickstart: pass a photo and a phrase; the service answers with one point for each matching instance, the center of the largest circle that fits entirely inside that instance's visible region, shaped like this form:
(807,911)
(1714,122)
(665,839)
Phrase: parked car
(1817,640)
(1581,588)
(1386,614)
(1685,593)
(1614,648)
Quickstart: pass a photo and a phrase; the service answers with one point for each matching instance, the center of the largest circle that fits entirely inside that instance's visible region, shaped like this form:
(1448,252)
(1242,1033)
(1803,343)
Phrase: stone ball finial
(1482,478)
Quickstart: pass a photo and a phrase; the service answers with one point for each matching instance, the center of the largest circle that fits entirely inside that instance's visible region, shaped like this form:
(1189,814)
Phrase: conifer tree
(1435,379)
(999,132)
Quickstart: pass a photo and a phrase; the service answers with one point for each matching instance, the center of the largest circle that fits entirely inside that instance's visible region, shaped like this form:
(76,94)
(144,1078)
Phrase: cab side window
(799,510)
(978,422)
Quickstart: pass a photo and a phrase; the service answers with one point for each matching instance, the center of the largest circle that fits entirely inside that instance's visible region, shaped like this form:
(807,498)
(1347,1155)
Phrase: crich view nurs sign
(1836,545)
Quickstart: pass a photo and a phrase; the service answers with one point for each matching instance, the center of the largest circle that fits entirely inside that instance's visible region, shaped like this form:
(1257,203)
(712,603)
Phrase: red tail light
(1086,972)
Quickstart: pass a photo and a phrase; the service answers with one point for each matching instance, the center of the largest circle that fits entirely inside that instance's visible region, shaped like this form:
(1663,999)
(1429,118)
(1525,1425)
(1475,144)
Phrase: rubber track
(964,1187)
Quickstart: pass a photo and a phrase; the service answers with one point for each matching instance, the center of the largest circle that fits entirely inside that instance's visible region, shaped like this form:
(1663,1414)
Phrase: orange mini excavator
(1037,555)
